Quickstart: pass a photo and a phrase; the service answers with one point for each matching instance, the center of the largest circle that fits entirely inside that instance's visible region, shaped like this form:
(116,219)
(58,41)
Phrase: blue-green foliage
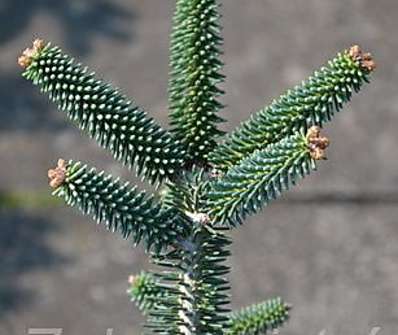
(260,318)
(314,102)
(208,188)
(145,291)
(122,208)
(195,286)
(258,179)
(116,122)
(195,72)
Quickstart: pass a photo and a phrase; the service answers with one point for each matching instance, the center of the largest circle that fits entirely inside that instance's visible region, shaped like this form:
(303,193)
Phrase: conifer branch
(195,67)
(121,207)
(106,114)
(194,280)
(263,176)
(314,102)
(145,291)
(194,285)
(260,318)
(208,189)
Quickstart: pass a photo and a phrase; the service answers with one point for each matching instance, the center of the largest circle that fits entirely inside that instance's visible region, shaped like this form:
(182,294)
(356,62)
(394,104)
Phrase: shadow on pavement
(21,106)
(80,20)
(23,249)
(23,109)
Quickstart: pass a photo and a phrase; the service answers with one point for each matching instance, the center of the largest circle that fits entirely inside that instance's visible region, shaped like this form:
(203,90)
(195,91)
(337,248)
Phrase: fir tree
(205,189)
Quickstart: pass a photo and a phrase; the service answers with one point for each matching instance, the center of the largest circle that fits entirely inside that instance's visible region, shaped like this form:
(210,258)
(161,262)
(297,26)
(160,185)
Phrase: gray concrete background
(329,247)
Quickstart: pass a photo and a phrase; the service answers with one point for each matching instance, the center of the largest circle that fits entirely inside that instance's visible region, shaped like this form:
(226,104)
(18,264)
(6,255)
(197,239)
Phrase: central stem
(202,283)
(195,283)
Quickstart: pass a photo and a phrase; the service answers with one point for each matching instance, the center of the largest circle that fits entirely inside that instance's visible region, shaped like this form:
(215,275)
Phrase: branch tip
(132,280)
(57,175)
(365,59)
(288,306)
(317,144)
(28,54)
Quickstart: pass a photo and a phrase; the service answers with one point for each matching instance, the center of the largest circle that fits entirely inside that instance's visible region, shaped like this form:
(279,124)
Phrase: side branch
(263,176)
(314,102)
(122,208)
(145,291)
(106,114)
(260,318)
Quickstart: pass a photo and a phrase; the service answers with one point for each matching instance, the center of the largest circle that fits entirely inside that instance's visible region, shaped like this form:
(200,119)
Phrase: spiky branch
(263,176)
(195,67)
(194,285)
(184,226)
(117,123)
(312,103)
(144,290)
(260,318)
(122,208)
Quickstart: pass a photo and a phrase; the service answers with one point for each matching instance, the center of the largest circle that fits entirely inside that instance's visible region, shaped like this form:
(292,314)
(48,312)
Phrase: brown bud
(364,59)
(58,174)
(132,279)
(28,54)
(317,144)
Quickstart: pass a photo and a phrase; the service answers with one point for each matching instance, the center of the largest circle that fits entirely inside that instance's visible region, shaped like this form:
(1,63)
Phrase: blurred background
(329,247)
